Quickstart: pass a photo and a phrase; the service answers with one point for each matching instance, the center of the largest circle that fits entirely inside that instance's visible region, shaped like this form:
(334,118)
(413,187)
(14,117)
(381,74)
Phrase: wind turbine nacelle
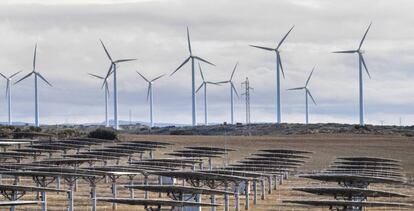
(361,51)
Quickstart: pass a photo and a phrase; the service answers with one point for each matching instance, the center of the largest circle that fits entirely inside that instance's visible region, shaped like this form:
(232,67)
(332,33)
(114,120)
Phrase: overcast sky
(68,33)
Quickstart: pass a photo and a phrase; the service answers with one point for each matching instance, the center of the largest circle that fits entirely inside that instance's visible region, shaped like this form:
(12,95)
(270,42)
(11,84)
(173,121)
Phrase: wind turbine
(150,94)
(361,62)
(307,93)
(278,68)
(192,58)
(8,94)
(106,96)
(204,84)
(232,88)
(36,74)
(112,70)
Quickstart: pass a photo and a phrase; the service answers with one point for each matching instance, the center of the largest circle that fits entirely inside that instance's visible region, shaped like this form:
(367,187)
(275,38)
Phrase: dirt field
(325,148)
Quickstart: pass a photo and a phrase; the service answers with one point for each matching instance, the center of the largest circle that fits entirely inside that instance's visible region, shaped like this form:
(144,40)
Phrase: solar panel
(342,203)
(155,202)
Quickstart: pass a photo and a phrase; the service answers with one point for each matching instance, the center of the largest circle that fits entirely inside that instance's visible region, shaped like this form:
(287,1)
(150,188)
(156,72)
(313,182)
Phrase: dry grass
(326,148)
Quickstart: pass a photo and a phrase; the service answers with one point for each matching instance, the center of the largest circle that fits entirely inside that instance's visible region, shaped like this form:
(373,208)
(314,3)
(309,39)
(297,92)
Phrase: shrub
(103,133)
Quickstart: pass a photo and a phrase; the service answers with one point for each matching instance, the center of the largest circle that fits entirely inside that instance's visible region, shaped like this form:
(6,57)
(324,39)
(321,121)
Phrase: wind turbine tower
(150,95)
(106,90)
(232,88)
(204,84)
(307,93)
(112,70)
(36,74)
(361,62)
(8,95)
(192,58)
(279,68)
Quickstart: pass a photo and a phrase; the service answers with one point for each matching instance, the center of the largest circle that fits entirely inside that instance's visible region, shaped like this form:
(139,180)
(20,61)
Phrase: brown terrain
(325,148)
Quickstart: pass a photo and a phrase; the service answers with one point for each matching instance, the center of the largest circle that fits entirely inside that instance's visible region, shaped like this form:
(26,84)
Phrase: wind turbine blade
(96,76)
(283,39)
(157,77)
(281,67)
(185,61)
(365,66)
(34,57)
(234,88)
(310,75)
(44,79)
(107,89)
(143,77)
(124,60)
(202,84)
(234,70)
(108,74)
(222,82)
(201,72)
(148,91)
(298,88)
(213,83)
(15,74)
(203,60)
(106,51)
(264,48)
(188,40)
(310,95)
(350,51)
(3,76)
(7,88)
(363,38)
(24,77)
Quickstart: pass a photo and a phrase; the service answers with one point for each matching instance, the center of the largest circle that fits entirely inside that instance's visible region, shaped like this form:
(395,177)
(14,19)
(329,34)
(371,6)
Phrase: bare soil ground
(325,148)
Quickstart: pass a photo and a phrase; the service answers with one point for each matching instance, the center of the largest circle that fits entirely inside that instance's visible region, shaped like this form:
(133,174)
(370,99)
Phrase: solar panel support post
(160,183)
(114,190)
(286,175)
(198,199)
(281,180)
(269,184)
(237,197)
(213,201)
(131,190)
(93,196)
(262,188)
(226,196)
(58,183)
(254,192)
(275,182)
(13,198)
(247,194)
(70,197)
(44,201)
(151,154)
(210,165)
(71,184)
(145,183)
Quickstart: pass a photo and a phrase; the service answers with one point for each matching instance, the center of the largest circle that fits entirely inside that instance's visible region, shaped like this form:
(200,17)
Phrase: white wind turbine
(307,93)
(8,95)
(204,84)
(278,67)
(150,95)
(192,57)
(232,88)
(112,70)
(361,62)
(36,74)
(106,96)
